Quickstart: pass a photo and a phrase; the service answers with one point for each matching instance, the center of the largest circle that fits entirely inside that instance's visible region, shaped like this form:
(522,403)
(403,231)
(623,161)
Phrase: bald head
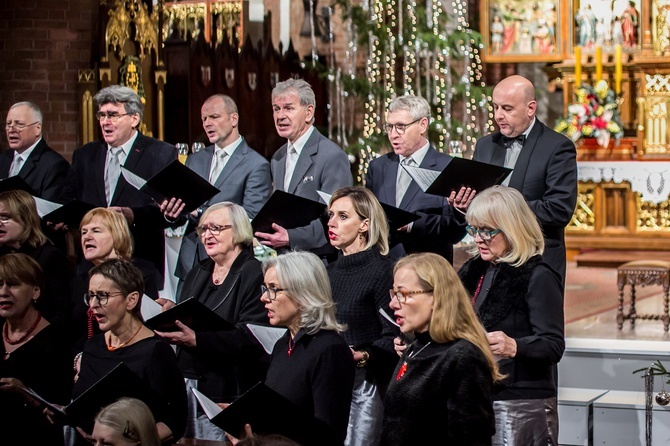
(514,105)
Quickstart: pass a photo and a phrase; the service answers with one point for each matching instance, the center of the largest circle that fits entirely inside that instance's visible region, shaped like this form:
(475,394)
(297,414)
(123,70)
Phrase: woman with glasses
(21,231)
(358,228)
(222,364)
(33,355)
(442,386)
(104,235)
(519,299)
(312,365)
(115,296)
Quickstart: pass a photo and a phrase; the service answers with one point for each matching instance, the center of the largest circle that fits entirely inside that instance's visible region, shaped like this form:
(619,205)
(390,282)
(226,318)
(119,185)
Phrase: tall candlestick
(578,66)
(618,70)
(599,63)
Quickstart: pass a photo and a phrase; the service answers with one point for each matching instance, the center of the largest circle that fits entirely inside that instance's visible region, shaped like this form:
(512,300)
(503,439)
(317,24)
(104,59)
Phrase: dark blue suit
(437,229)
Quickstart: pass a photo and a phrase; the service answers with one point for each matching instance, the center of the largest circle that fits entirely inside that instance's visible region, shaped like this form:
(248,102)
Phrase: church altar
(621,205)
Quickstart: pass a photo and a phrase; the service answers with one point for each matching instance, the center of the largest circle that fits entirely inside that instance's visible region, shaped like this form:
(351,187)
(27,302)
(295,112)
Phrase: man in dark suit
(241,174)
(30,157)
(307,163)
(436,230)
(544,162)
(95,177)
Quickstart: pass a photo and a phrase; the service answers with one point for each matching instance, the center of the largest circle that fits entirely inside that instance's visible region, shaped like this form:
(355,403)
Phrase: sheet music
(150,307)
(387,317)
(45,207)
(267,336)
(324,196)
(209,406)
(134,180)
(423,177)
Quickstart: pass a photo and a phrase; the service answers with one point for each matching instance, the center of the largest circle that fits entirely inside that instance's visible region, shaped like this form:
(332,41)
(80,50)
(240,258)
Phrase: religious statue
(497,30)
(662,42)
(630,19)
(586,22)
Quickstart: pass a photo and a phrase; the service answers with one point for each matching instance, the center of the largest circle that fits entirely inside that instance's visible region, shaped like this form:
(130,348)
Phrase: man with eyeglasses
(29,157)
(95,177)
(307,163)
(436,230)
(544,163)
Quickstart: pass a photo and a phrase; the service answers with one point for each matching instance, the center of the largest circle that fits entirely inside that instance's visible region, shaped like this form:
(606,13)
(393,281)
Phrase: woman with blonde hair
(358,228)
(128,421)
(104,235)
(21,232)
(519,299)
(443,384)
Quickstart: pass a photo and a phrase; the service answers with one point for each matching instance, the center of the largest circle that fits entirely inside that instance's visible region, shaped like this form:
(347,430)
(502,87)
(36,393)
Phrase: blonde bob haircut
(452,317)
(304,277)
(504,208)
(117,225)
(132,420)
(21,207)
(367,207)
(243,234)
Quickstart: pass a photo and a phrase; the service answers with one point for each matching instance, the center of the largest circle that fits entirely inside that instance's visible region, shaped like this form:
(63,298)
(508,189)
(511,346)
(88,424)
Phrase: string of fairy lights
(399,61)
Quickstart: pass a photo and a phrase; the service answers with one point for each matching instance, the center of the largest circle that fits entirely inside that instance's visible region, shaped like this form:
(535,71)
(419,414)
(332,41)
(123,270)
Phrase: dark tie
(508,141)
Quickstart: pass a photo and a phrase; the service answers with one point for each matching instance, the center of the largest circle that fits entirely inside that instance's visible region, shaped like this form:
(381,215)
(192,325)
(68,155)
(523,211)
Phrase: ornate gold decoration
(653,217)
(662,36)
(87,117)
(653,114)
(584,217)
(105,75)
(186,15)
(118,30)
(130,75)
(161,79)
(86,75)
(227,12)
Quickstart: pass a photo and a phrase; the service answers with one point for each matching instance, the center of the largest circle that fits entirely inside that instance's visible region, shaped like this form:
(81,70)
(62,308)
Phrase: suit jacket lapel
(233,162)
(499,151)
(100,161)
(521,166)
(304,160)
(29,164)
(280,163)
(389,178)
(5,163)
(428,162)
(133,158)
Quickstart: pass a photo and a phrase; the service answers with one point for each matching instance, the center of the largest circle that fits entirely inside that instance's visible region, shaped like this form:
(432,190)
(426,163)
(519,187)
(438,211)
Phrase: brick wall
(43,44)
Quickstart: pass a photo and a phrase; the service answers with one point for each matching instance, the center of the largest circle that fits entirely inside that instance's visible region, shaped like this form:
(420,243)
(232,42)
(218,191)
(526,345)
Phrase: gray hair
(243,234)
(306,282)
(228,102)
(117,94)
(36,110)
(299,86)
(417,106)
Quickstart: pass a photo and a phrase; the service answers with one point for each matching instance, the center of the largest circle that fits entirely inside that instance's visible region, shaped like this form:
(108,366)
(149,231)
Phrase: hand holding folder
(460,172)
(174,181)
(191,313)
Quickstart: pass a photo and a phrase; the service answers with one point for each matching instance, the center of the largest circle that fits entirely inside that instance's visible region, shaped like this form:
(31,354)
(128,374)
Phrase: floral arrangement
(594,115)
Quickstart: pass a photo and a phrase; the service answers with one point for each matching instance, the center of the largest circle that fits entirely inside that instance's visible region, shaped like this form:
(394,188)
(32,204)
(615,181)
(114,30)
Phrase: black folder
(70,213)
(288,211)
(191,313)
(177,180)
(397,217)
(118,383)
(15,183)
(461,172)
(270,413)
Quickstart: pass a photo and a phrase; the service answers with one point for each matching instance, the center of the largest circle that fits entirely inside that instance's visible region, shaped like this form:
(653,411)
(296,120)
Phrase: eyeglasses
(111,116)
(400,128)
(102,296)
(402,295)
(19,127)
(4,218)
(213,229)
(271,292)
(484,234)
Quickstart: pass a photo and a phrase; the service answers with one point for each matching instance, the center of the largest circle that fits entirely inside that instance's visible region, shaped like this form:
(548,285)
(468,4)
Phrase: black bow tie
(508,141)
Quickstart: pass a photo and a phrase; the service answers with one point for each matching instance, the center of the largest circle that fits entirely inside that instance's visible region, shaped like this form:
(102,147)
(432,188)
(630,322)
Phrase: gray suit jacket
(245,180)
(322,165)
